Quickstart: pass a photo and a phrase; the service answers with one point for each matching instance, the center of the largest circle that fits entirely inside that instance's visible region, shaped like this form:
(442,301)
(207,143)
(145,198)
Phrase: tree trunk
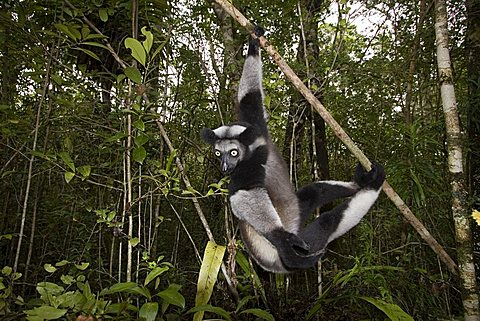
(472,46)
(455,164)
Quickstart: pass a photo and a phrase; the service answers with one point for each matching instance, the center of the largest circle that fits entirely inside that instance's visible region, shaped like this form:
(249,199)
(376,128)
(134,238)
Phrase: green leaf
(118,136)
(148,311)
(120,78)
(67,279)
(46,312)
(172,296)
(393,311)
(111,216)
(154,273)
(82,266)
(88,52)
(148,42)
(134,241)
(139,124)
(103,14)
(140,290)
(84,171)
(138,52)
(260,314)
(119,287)
(133,74)
(95,44)
(61,263)
(117,308)
(212,260)
(69,176)
(57,79)
(141,140)
(65,156)
(139,154)
(49,268)
(66,30)
(7,270)
(209,308)
(245,266)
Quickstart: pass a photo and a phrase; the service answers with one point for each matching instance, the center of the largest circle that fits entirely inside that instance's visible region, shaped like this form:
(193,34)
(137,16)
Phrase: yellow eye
(218,153)
(234,153)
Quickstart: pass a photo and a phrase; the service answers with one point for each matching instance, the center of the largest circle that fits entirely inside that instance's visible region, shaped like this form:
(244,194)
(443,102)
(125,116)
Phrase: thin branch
(341,134)
(30,164)
(196,204)
(105,41)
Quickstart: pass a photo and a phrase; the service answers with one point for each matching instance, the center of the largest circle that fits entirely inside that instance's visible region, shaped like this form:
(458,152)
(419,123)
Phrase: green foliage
(57,301)
(212,260)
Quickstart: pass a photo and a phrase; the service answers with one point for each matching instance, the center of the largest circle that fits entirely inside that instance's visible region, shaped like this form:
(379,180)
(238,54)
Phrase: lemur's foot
(372,179)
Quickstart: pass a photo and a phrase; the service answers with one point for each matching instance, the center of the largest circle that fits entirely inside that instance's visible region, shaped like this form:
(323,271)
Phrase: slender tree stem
(30,164)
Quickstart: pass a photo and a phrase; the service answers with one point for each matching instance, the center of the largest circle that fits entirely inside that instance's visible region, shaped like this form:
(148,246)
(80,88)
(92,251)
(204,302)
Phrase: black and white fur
(271,215)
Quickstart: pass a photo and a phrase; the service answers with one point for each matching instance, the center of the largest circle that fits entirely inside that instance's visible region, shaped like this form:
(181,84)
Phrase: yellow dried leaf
(476,216)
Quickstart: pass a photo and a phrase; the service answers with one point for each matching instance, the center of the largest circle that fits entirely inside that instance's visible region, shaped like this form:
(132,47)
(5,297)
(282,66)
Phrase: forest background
(106,190)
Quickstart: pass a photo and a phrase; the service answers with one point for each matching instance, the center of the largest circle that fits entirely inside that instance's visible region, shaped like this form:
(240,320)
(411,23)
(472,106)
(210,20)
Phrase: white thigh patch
(255,207)
(356,209)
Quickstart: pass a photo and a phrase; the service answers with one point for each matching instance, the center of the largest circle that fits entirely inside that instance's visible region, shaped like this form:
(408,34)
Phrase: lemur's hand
(259,31)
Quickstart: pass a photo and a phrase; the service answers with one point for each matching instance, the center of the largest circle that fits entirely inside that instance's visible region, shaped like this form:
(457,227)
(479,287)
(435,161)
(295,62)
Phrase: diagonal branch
(341,134)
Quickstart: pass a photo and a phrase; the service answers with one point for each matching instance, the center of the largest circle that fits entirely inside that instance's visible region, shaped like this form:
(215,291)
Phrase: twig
(196,204)
(105,41)
(341,134)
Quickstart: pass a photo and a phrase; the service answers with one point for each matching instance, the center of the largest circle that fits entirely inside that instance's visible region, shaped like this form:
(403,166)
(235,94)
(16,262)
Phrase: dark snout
(225,166)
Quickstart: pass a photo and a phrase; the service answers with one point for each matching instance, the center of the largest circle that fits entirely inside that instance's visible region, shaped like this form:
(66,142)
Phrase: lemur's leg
(255,207)
(321,193)
(336,222)
(250,89)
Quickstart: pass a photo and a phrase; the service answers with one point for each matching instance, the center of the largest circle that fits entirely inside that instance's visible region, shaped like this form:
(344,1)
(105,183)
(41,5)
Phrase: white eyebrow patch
(229,131)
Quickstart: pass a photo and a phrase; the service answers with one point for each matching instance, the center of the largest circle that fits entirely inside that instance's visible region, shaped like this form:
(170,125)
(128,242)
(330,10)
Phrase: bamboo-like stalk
(30,165)
(460,213)
(341,134)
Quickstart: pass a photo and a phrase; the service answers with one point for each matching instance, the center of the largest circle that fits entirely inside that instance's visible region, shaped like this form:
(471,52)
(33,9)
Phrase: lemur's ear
(208,136)
(248,136)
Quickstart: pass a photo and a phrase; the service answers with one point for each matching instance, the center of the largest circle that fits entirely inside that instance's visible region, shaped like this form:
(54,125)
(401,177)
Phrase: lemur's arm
(250,89)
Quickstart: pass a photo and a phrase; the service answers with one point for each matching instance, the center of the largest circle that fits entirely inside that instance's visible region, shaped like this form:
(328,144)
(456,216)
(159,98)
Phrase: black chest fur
(250,173)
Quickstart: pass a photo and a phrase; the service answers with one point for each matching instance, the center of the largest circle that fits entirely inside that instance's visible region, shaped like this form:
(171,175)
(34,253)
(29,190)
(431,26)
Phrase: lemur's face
(230,152)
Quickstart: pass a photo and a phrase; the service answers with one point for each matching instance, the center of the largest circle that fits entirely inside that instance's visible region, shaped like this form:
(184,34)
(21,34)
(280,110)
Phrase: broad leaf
(65,156)
(103,14)
(69,176)
(88,52)
(141,140)
(133,74)
(260,314)
(139,154)
(46,313)
(84,171)
(139,124)
(49,268)
(138,52)
(148,311)
(393,311)
(209,308)
(134,241)
(212,260)
(148,42)
(119,287)
(82,266)
(154,273)
(172,296)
